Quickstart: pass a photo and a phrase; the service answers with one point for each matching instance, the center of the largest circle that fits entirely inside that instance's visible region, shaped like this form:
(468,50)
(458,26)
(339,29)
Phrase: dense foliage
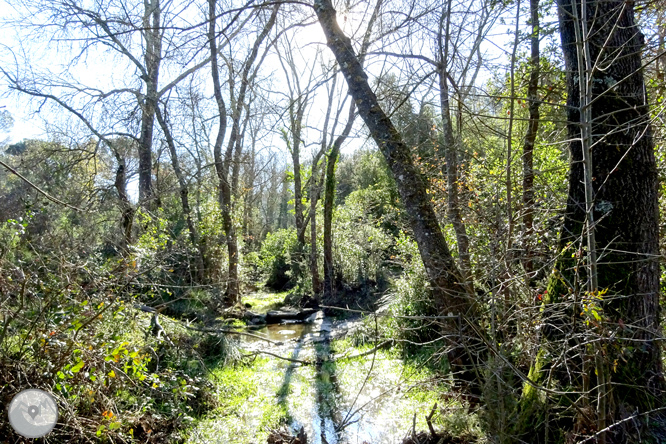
(196,172)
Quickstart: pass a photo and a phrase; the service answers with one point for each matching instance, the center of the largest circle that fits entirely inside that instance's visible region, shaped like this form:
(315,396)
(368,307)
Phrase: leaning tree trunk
(621,327)
(450,293)
(451,149)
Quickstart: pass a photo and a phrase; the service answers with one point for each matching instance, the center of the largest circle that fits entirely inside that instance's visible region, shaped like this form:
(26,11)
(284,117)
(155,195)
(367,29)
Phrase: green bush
(409,297)
(276,259)
(361,246)
(74,329)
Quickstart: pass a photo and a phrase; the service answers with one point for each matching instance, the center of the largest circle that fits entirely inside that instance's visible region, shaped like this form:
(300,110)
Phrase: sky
(94,71)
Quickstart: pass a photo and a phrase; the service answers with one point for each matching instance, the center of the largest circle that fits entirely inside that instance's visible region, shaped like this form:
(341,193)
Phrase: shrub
(360,245)
(410,296)
(72,328)
(276,259)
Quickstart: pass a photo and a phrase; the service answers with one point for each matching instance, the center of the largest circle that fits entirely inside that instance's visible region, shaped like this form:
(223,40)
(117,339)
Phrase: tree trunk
(329,199)
(184,197)
(530,139)
(296,160)
(223,166)
(283,207)
(451,151)
(126,209)
(221,106)
(625,211)
(314,198)
(447,283)
(152,58)
(249,197)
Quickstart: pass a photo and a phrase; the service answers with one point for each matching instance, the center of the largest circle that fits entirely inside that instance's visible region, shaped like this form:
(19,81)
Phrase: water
(336,401)
(315,407)
(281,332)
(350,401)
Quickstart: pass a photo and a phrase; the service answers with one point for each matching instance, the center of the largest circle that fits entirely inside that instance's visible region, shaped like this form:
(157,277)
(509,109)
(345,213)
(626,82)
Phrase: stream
(370,399)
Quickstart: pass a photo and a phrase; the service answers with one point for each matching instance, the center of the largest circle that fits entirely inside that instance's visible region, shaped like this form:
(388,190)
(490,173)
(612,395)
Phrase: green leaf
(77,368)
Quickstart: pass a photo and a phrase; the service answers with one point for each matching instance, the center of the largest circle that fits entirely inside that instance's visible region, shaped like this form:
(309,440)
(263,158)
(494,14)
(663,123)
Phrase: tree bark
(329,199)
(296,118)
(152,58)
(315,188)
(530,138)
(222,173)
(283,207)
(625,211)
(126,209)
(451,150)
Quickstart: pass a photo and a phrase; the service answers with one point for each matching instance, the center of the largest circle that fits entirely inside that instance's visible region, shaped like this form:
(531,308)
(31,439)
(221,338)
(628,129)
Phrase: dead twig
(232,332)
(298,361)
(369,352)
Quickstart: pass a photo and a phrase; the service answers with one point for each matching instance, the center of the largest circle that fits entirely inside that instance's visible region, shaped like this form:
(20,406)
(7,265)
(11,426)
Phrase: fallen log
(276,317)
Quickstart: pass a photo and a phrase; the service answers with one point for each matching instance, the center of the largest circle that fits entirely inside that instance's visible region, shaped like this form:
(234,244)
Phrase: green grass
(396,389)
(263,302)
(266,393)
(248,408)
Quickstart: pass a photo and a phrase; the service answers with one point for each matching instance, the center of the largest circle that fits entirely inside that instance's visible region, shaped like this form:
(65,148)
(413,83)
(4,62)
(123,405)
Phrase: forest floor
(326,378)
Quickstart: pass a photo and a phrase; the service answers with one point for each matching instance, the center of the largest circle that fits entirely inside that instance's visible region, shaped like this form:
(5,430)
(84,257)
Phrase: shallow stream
(370,399)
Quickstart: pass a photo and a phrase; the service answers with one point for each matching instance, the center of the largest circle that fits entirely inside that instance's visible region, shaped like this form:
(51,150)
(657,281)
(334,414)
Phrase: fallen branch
(298,361)
(369,352)
(233,332)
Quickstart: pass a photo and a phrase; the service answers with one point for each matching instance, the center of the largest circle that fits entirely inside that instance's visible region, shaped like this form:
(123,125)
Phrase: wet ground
(368,399)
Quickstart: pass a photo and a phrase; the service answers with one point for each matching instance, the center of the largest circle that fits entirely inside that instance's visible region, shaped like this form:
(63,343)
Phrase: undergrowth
(77,331)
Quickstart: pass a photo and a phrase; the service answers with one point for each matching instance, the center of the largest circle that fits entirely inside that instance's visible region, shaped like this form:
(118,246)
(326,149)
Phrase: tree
(227,171)
(607,275)
(449,290)
(184,196)
(531,134)
(298,101)
(329,198)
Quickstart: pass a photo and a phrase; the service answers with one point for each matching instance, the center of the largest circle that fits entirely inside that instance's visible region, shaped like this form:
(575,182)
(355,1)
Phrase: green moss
(263,302)
(248,408)
(530,393)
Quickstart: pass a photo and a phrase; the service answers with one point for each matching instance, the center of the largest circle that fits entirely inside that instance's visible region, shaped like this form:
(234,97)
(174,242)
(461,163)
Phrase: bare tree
(447,282)
(223,165)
